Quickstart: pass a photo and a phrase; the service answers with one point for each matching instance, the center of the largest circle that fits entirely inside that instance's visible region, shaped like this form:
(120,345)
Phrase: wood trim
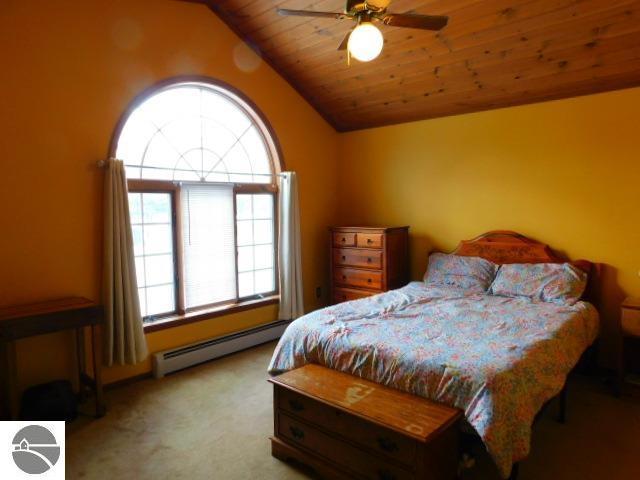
(235,241)
(255,188)
(238,189)
(178,268)
(208,314)
(139,185)
(173,189)
(276,241)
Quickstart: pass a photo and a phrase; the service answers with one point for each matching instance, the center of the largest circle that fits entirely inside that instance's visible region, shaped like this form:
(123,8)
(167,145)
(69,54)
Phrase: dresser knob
(344,277)
(344,239)
(368,280)
(297,433)
(369,240)
(343,258)
(369,260)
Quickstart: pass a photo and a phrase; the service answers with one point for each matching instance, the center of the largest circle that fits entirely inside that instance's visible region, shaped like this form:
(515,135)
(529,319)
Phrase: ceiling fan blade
(309,13)
(345,41)
(410,20)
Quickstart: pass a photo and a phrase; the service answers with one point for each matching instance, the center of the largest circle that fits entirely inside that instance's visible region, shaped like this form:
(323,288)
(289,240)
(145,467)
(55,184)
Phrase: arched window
(201,167)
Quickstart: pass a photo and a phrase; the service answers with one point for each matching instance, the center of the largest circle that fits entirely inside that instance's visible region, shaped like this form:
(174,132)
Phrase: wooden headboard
(504,246)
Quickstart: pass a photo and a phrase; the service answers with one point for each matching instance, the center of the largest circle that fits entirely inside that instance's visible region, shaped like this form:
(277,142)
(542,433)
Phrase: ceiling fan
(365,41)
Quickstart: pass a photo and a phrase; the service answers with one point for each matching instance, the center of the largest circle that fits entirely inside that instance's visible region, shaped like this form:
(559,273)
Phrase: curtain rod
(103,163)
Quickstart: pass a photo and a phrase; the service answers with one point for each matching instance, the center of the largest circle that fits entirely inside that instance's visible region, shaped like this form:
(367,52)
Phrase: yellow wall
(565,172)
(70,68)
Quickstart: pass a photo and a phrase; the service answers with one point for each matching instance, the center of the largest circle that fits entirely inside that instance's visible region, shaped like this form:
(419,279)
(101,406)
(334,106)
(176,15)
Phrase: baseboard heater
(189,355)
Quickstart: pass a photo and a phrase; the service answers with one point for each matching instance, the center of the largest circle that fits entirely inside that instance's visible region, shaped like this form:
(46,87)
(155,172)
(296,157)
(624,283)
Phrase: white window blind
(208,244)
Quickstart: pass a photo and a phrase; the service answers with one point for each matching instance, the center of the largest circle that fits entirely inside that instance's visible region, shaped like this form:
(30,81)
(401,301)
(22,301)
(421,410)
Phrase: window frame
(173,188)
(182,315)
(157,186)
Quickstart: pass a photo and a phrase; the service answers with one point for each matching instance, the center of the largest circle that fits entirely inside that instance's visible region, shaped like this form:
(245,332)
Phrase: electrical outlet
(318,292)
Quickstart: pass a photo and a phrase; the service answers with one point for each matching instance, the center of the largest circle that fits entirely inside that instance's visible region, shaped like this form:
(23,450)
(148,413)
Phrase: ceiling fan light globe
(365,42)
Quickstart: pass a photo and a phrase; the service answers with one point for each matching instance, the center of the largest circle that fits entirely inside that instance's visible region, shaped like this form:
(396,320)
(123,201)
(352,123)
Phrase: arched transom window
(201,168)
(195,132)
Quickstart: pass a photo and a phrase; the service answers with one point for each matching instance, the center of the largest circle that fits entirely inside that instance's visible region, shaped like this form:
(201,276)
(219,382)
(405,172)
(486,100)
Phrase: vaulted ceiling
(492,54)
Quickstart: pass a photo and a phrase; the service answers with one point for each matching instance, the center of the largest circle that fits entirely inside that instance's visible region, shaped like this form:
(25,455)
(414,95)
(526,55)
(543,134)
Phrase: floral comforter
(497,358)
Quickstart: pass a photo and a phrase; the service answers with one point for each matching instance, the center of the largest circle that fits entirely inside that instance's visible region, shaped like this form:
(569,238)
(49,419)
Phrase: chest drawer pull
(368,280)
(387,444)
(385,475)
(297,433)
(296,405)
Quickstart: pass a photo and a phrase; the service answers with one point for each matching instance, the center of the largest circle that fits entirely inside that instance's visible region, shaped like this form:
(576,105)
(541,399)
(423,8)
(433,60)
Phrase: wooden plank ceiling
(492,54)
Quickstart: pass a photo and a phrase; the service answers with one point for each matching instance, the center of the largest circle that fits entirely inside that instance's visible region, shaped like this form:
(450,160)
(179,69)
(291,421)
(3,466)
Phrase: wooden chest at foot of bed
(341,426)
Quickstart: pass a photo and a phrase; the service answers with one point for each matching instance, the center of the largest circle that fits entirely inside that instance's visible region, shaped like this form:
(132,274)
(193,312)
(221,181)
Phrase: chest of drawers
(367,260)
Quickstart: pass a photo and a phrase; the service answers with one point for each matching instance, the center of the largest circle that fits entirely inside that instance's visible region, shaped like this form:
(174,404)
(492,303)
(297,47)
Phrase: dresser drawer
(357,278)
(347,456)
(369,240)
(381,440)
(630,322)
(354,257)
(346,294)
(347,239)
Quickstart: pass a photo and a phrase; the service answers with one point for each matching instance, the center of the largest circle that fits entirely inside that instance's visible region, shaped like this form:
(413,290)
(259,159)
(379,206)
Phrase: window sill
(209,313)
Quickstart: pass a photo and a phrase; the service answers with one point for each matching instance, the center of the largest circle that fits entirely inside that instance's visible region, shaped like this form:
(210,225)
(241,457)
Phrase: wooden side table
(24,321)
(629,329)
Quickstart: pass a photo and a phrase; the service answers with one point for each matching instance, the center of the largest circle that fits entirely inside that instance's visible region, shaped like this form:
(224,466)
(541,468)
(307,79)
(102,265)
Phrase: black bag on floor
(49,401)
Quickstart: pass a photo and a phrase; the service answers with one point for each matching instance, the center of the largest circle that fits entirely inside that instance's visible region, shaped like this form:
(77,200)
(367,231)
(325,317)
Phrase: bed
(499,359)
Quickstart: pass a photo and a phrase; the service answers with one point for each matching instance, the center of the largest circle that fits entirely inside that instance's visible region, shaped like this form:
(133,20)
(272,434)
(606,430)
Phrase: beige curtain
(124,340)
(289,252)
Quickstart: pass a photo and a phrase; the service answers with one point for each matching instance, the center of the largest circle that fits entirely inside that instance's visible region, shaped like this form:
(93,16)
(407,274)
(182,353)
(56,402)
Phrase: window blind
(208,244)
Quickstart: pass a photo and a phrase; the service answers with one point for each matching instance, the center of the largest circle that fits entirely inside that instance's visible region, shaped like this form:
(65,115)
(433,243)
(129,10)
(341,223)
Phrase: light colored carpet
(213,422)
